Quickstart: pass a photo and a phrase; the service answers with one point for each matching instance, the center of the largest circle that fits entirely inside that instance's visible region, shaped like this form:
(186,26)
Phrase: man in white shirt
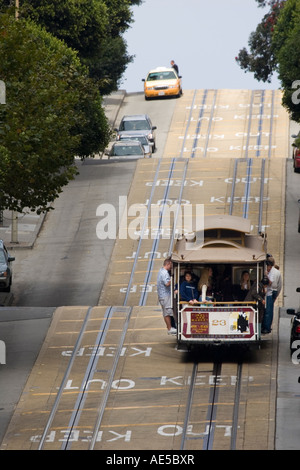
(273,291)
(164,294)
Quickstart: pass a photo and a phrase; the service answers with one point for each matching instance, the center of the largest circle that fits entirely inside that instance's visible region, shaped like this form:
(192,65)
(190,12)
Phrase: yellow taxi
(162,81)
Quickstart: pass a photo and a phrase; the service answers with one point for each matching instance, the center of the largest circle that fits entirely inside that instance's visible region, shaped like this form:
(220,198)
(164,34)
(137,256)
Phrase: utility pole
(14,217)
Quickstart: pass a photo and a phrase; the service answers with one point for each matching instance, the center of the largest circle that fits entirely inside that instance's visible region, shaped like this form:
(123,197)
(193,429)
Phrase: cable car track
(87,377)
(212,409)
(209,439)
(91,367)
(250,160)
(155,244)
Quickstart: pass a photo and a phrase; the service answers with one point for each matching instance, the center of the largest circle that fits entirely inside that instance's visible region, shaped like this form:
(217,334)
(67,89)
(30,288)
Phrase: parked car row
(136,138)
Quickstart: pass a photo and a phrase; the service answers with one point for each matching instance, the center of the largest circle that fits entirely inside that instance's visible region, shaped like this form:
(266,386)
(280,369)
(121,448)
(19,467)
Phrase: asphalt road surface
(68,265)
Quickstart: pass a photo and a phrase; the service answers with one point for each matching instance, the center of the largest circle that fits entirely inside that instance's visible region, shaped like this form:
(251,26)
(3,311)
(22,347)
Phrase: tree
(286,40)
(94,28)
(50,102)
(262,60)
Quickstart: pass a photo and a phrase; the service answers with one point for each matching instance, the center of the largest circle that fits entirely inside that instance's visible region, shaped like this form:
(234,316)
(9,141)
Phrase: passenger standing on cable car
(273,291)
(164,294)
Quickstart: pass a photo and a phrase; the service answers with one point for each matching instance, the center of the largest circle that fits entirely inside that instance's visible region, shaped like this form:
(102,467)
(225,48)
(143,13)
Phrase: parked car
(137,122)
(296,160)
(295,327)
(126,148)
(142,138)
(296,154)
(161,82)
(5,268)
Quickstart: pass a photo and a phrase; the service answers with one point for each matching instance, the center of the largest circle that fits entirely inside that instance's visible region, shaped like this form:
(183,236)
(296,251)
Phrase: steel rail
(210,123)
(188,124)
(235,415)
(189,405)
(249,160)
(199,123)
(212,408)
(89,373)
(142,234)
(178,207)
(261,195)
(260,123)
(236,162)
(271,124)
(64,380)
(118,353)
(269,158)
(155,244)
(249,164)
(109,384)
(149,206)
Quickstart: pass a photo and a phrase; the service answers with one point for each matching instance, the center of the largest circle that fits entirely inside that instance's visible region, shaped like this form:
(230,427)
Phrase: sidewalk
(29,225)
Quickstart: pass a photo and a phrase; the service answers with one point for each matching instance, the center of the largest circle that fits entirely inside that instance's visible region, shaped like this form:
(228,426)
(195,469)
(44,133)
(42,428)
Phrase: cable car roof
(230,222)
(226,239)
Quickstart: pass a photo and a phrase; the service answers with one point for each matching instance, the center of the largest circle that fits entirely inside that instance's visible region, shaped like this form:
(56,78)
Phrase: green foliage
(275,46)
(54,61)
(261,58)
(94,28)
(80,23)
(286,40)
(49,106)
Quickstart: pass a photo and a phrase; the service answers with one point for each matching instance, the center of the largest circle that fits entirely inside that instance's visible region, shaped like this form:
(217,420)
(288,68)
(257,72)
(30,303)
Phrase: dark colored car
(295,327)
(5,268)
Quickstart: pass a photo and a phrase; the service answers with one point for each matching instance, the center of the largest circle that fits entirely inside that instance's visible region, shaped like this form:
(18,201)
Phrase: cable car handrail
(212,303)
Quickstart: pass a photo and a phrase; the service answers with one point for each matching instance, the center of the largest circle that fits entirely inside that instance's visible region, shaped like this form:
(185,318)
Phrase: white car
(126,149)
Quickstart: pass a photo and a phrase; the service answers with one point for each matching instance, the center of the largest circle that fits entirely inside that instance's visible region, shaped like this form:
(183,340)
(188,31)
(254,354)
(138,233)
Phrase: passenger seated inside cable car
(217,283)
(188,289)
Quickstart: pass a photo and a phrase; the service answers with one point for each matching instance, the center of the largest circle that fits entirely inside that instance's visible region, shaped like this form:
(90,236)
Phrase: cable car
(218,314)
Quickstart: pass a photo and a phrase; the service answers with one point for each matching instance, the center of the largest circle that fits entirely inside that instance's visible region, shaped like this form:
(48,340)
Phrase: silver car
(137,122)
(140,137)
(5,268)
(126,148)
